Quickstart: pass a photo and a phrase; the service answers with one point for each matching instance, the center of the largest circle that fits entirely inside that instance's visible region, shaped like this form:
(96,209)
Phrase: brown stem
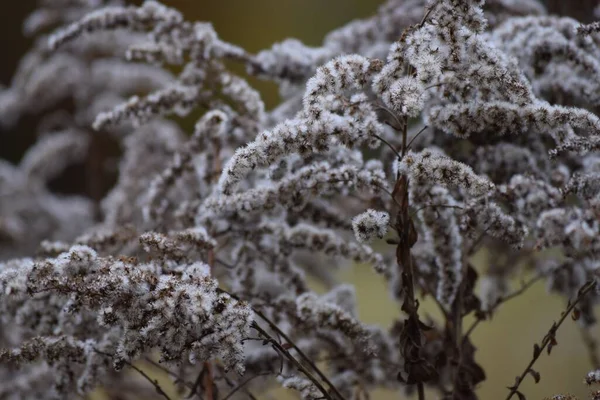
(232,384)
(421,391)
(416,136)
(404,259)
(307,359)
(293,345)
(550,336)
(500,301)
(154,382)
(388,144)
(178,378)
(281,350)
(244,383)
(208,382)
(457,330)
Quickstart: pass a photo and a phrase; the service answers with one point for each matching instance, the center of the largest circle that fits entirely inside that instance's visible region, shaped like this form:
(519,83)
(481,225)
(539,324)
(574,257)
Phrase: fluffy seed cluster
(370,224)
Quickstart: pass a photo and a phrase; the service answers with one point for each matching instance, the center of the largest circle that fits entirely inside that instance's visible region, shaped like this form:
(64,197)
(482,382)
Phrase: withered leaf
(536,375)
(536,350)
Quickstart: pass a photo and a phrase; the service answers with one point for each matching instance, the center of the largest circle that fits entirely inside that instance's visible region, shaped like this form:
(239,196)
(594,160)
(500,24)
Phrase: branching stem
(550,336)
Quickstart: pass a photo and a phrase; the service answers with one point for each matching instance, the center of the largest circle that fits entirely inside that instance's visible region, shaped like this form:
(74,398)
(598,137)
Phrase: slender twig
(457,329)
(177,377)
(388,145)
(434,85)
(429,10)
(436,206)
(232,384)
(427,288)
(500,301)
(307,359)
(387,192)
(383,189)
(477,241)
(197,383)
(285,353)
(293,345)
(550,336)
(414,137)
(244,383)
(154,382)
(393,115)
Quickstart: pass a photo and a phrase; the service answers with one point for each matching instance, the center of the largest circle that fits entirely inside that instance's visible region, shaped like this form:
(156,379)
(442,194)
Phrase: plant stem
(550,336)
(154,382)
(421,391)
(281,333)
(279,348)
(307,359)
(503,300)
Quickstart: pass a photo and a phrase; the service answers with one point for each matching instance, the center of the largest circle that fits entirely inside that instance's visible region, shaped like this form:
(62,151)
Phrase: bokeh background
(505,344)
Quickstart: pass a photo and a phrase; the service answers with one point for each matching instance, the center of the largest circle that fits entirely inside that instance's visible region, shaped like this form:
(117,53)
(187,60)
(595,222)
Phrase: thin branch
(388,144)
(154,382)
(502,300)
(280,349)
(393,115)
(428,291)
(307,359)
(177,377)
(477,241)
(429,10)
(293,345)
(244,383)
(550,336)
(418,133)
(457,329)
(434,85)
(232,384)
(436,206)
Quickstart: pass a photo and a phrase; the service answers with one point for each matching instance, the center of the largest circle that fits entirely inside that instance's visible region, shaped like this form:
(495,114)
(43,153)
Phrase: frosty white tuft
(369,225)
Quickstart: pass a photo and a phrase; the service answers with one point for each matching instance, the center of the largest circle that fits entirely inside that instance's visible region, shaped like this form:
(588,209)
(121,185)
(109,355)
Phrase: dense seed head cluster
(446,127)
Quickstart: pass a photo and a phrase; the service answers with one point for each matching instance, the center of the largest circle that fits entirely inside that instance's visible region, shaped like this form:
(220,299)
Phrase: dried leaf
(536,375)
(536,350)
(551,344)
(576,314)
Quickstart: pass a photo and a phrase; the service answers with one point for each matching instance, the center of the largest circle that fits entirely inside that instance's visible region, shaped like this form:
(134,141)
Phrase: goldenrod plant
(408,142)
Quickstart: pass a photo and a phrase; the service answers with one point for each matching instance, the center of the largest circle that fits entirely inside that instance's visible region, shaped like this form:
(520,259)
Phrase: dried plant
(445,127)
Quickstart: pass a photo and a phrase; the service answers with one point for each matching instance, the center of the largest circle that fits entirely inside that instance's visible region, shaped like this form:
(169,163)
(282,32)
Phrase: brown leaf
(536,375)
(536,350)
(400,192)
(576,314)
(551,344)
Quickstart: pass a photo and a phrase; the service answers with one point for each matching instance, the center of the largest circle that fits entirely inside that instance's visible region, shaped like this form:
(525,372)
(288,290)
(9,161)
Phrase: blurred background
(505,344)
